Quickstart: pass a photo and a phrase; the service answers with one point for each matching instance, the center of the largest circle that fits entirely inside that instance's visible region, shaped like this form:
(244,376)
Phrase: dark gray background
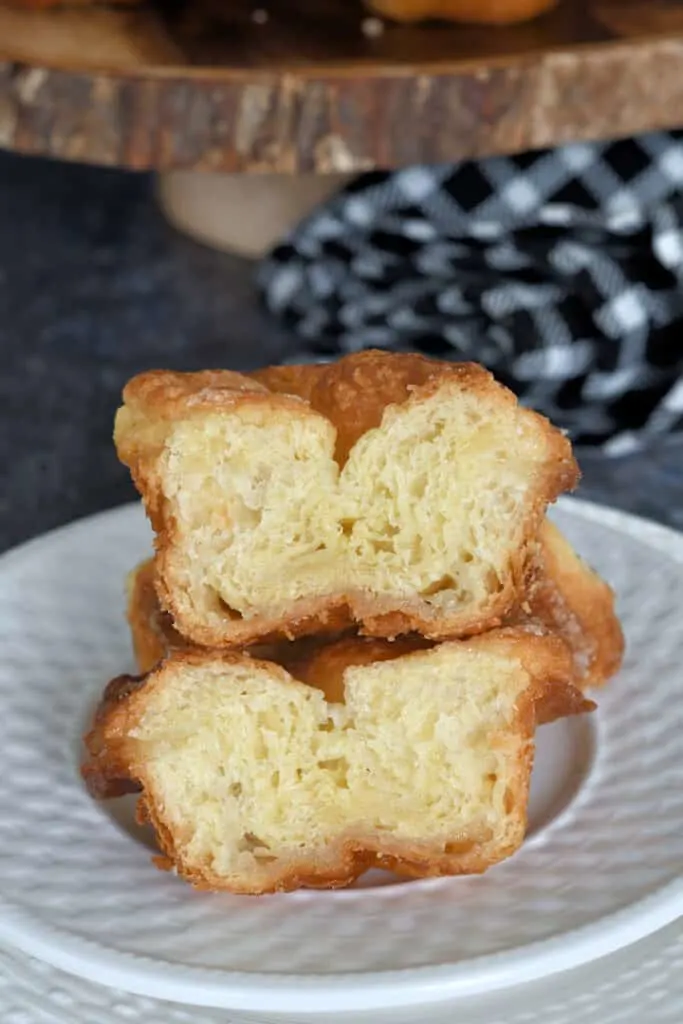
(95,286)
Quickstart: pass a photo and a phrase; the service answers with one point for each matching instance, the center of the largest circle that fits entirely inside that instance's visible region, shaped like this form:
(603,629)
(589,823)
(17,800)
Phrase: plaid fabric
(561,270)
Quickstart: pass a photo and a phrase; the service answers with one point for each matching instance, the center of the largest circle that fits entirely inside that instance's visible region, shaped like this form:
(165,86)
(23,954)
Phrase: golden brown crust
(353,394)
(569,598)
(323,616)
(152,630)
(106,771)
(349,859)
(295,379)
(321,661)
(112,766)
(154,636)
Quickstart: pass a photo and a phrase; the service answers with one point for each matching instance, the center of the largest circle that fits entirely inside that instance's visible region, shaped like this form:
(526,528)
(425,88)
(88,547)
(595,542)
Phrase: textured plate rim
(632,969)
(353,992)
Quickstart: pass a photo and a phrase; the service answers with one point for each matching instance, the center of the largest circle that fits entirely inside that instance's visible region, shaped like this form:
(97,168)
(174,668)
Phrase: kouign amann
(416,760)
(391,491)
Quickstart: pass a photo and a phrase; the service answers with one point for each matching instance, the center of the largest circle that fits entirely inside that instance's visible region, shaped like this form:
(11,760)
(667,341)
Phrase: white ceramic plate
(643,983)
(600,869)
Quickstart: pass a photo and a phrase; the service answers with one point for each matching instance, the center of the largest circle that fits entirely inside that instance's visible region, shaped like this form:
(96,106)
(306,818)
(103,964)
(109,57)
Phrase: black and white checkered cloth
(561,270)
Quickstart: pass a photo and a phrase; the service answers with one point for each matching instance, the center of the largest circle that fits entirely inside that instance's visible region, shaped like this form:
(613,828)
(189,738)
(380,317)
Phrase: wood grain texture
(205,88)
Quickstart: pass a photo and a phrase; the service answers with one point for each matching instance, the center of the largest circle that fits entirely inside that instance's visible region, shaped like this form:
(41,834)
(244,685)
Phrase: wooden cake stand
(254,110)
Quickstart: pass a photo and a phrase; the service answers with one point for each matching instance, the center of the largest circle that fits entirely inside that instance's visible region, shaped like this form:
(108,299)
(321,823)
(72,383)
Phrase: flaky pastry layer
(256,779)
(388,491)
(563,596)
(573,601)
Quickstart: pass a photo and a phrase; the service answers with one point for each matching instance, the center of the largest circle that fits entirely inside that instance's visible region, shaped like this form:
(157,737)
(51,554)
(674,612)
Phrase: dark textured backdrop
(94,286)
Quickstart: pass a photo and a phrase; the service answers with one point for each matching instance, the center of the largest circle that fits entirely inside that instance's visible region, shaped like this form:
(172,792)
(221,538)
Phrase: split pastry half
(367,754)
(388,491)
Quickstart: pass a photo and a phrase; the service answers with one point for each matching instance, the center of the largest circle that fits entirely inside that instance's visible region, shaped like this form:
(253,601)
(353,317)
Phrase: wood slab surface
(204,85)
